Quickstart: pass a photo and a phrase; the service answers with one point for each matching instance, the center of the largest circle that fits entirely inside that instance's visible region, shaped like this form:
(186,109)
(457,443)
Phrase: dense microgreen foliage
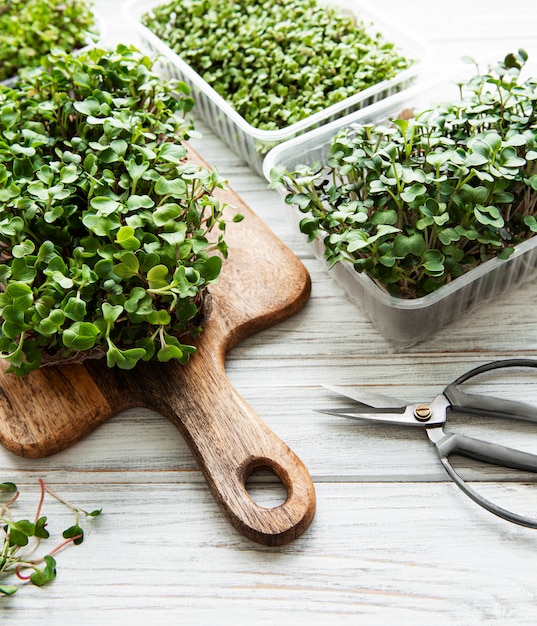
(22,538)
(30,29)
(275,62)
(104,222)
(418,202)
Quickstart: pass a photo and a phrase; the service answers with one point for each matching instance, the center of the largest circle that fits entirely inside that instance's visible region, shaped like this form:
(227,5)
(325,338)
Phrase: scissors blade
(368,398)
(385,416)
(423,415)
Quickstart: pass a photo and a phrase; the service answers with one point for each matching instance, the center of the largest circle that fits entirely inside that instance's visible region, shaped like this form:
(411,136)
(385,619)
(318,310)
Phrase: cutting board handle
(229,442)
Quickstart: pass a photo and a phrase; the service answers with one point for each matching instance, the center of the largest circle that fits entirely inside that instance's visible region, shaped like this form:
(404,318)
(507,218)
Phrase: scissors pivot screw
(423,412)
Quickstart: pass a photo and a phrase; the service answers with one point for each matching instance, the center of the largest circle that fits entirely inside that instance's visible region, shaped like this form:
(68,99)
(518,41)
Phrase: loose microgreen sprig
(109,235)
(30,29)
(22,538)
(418,202)
(275,62)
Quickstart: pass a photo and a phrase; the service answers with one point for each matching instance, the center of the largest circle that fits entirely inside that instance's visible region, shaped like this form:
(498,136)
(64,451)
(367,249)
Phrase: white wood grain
(393,541)
(162,552)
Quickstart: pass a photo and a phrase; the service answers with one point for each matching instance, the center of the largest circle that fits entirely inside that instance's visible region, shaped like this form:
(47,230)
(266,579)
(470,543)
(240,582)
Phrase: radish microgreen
(109,234)
(417,202)
(30,29)
(22,538)
(276,62)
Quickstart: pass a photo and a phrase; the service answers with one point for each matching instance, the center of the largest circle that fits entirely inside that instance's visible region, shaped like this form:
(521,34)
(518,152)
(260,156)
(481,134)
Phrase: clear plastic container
(405,321)
(250,142)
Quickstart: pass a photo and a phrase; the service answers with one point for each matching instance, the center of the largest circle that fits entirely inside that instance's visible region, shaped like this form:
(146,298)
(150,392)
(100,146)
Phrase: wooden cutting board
(261,283)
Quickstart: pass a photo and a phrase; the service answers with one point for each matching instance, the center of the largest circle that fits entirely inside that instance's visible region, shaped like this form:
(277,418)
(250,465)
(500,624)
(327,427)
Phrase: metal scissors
(432,416)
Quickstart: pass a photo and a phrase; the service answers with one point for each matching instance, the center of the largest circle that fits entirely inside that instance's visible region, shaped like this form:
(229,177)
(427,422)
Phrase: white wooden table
(393,540)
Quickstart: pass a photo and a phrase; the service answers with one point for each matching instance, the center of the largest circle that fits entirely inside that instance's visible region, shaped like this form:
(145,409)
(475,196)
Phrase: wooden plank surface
(392,541)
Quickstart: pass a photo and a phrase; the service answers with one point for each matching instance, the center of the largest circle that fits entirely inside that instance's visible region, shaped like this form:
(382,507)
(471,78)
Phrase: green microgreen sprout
(417,202)
(109,235)
(30,29)
(22,539)
(276,62)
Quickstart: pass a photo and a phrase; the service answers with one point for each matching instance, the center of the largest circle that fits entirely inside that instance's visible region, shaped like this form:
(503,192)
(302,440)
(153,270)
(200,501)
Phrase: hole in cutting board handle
(265,487)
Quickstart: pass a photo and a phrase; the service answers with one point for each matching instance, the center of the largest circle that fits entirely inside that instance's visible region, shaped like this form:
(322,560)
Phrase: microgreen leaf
(128,267)
(74,532)
(104,206)
(156,276)
(19,532)
(80,336)
(169,352)
(126,239)
(74,309)
(210,269)
(22,249)
(40,577)
(40,530)
(111,313)
(166,213)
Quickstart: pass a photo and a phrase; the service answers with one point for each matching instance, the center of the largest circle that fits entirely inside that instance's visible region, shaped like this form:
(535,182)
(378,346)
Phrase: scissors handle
(487,405)
(487,452)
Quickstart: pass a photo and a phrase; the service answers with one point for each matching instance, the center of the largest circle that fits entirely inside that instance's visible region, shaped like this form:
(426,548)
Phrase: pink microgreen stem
(18,573)
(40,505)
(64,543)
